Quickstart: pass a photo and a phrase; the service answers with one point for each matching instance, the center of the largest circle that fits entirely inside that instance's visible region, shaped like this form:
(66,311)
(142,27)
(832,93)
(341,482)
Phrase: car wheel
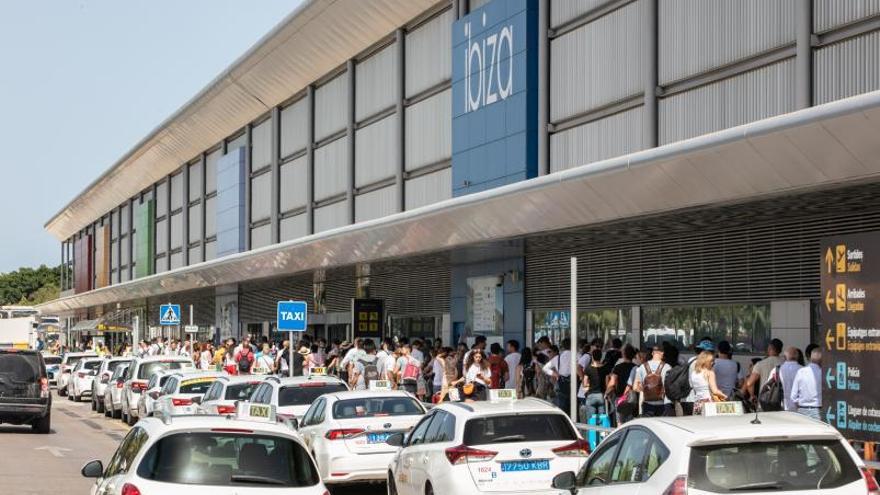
(130,420)
(93,404)
(99,406)
(43,424)
(62,391)
(116,413)
(392,488)
(429,490)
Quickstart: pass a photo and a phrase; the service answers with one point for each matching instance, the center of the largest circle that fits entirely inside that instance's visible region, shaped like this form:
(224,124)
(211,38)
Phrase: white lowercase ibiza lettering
(483,58)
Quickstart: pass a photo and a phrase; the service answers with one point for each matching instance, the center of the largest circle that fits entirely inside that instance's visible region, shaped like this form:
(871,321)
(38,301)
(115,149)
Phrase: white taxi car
(82,377)
(102,379)
(151,393)
(68,362)
(347,432)
(138,375)
(730,453)
(249,454)
(501,445)
(113,392)
(183,391)
(292,396)
(226,391)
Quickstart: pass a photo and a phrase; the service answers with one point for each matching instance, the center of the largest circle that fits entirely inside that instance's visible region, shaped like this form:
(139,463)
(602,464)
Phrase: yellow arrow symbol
(829,339)
(829,259)
(829,299)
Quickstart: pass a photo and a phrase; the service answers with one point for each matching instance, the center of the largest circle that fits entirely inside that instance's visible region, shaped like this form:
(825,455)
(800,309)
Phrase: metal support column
(650,96)
(275,177)
(247,187)
(804,59)
(184,253)
(349,130)
(543,87)
(130,239)
(455,13)
(167,226)
(400,45)
(310,159)
(202,206)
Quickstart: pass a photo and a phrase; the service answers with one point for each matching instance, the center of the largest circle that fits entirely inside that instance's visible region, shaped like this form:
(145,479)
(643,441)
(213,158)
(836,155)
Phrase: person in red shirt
(500,370)
(245,358)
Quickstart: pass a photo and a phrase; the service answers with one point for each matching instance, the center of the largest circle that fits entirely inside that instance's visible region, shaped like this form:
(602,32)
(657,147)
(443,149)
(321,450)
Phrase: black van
(24,389)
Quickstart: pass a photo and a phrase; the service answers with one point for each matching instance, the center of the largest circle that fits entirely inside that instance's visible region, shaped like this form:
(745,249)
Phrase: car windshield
(17,369)
(196,385)
(120,370)
(112,365)
(91,365)
(304,395)
(776,466)
(148,369)
(50,360)
(240,391)
(72,360)
(228,459)
(376,407)
(518,428)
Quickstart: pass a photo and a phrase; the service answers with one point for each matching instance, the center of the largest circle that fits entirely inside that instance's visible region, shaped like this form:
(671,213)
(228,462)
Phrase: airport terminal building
(427,169)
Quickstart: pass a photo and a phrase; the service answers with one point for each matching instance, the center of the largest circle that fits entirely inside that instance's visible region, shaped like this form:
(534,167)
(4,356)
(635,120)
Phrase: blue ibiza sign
(494,96)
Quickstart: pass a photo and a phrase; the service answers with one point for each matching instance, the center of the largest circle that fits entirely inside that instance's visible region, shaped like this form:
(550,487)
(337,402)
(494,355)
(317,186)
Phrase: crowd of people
(615,382)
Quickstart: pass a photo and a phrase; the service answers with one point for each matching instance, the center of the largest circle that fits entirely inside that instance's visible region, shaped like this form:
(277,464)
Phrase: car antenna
(757,420)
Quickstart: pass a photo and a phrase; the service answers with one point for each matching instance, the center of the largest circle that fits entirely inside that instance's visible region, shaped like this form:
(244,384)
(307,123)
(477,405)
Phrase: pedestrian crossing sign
(169,314)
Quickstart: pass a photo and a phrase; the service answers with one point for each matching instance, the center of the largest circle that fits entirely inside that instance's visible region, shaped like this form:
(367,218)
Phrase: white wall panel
(599,63)
(375,204)
(847,68)
(161,198)
(331,162)
(748,97)
(331,216)
(261,145)
(211,160)
(293,227)
(828,14)
(429,54)
(195,255)
(429,131)
(376,151)
(294,185)
(195,181)
(261,236)
(376,82)
(697,35)
(261,197)
(210,250)
(611,136)
(195,223)
(176,260)
(161,236)
(294,127)
(177,192)
(562,11)
(210,216)
(428,189)
(237,142)
(331,106)
(177,230)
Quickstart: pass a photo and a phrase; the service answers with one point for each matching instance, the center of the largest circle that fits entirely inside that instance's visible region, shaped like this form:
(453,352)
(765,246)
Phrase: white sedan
(102,380)
(113,392)
(701,455)
(507,446)
(82,377)
(226,391)
(293,396)
(250,454)
(183,391)
(346,432)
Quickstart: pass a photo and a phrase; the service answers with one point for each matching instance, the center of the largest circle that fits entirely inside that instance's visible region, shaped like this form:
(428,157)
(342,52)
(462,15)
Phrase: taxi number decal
(260,411)
(196,380)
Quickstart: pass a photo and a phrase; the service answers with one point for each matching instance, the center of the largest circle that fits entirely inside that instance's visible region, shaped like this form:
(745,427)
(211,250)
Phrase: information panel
(368,316)
(851,334)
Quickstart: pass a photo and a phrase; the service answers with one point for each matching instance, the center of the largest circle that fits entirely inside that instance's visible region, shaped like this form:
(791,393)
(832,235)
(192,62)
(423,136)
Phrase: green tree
(30,285)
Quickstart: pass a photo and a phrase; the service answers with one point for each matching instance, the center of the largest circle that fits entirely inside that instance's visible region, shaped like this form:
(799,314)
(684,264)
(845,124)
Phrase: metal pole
(573,338)
(290,356)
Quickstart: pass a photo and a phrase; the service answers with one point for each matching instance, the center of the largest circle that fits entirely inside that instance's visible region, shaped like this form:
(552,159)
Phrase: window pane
(210,216)
(745,326)
(303,396)
(114,224)
(261,142)
(176,230)
(261,236)
(261,197)
(161,236)
(176,260)
(123,219)
(195,181)
(518,428)
(211,170)
(210,250)
(195,255)
(374,407)
(238,142)
(162,198)
(176,192)
(628,467)
(195,223)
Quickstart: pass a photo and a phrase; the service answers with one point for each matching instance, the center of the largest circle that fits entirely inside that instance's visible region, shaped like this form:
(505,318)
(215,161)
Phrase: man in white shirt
(787,372)
(512,358)
(806,391)
(417,353)
(559,367)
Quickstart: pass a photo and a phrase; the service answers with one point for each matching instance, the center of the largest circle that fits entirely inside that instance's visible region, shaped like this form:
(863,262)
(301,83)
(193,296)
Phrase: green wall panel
(146,239)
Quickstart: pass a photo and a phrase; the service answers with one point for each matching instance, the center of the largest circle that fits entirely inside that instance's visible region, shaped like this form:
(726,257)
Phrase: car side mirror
(93,469)
(565,481)
(294,423)
(395,440)
(154,394)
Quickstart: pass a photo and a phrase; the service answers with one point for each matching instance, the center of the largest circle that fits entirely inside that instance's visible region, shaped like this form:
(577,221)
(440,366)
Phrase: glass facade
(745,326)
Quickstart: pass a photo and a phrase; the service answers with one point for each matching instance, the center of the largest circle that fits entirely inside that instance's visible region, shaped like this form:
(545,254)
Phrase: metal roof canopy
(819,147)
(312,41)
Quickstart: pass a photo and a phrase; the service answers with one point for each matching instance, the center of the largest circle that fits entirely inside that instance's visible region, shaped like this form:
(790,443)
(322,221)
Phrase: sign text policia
(851,334)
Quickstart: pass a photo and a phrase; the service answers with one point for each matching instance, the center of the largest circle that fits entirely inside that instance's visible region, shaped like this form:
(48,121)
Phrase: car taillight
(181,402)
(81,374)
(343,433)
(463,454)
(129,489)
(138,387)
(225,409)
(44,388)
(678,486)
(871,482)
(120,384)
(579,448)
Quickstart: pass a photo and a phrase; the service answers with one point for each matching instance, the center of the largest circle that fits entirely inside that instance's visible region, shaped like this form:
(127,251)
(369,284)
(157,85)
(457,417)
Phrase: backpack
(244,360)
(771,396)
(652,386)
(411,371)
(678,382)
(371,371)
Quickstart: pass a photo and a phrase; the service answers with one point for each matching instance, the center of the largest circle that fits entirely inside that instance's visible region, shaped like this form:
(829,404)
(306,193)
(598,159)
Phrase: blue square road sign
(169,314)
(292,316)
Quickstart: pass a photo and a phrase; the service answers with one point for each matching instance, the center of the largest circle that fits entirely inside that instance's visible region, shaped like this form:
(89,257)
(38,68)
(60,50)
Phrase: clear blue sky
(82,81)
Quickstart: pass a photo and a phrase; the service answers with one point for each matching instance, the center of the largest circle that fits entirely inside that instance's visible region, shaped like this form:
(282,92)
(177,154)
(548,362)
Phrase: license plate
(514,466)
(377,437)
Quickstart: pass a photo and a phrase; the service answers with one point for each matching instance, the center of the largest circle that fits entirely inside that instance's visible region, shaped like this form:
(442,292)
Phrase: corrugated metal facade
(294,227)
(294,188)
(261,143)
(428,189)
(599,63)
(562,11)
(331,106)
(697,35)
(261,197)
(331,216)
(847,68)
(375,83)
(428,57)
(615,135)
(375,204)
(429,131)
(294,127)
(331,167)
(376,151)
(828,14)
(748,97)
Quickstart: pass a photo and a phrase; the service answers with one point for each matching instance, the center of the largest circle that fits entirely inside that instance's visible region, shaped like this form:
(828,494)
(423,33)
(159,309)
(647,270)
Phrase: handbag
(468,389)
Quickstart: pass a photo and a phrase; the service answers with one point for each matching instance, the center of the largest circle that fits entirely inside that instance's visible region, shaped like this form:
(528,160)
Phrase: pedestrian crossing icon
(169,314)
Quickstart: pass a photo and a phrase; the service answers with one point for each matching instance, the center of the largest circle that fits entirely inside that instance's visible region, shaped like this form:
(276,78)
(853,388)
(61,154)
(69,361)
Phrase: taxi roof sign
(502,395)
(318,371)
(734,408)
(380,385)
(248,411)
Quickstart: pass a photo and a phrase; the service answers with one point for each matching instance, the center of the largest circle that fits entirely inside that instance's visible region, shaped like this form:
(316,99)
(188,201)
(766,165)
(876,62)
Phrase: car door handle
(424,459)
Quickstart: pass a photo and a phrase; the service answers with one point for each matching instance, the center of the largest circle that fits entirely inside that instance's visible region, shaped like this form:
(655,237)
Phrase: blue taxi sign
(292,316)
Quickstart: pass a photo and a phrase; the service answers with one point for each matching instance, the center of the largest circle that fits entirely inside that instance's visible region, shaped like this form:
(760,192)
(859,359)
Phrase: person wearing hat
(299,359)
(687,405)
(704,387)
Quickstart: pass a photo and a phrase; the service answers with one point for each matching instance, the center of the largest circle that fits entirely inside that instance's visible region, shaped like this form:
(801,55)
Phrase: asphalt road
(34,464)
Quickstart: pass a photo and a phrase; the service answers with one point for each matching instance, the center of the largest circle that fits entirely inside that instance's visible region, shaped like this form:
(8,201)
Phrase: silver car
(113,392)
(102,379)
